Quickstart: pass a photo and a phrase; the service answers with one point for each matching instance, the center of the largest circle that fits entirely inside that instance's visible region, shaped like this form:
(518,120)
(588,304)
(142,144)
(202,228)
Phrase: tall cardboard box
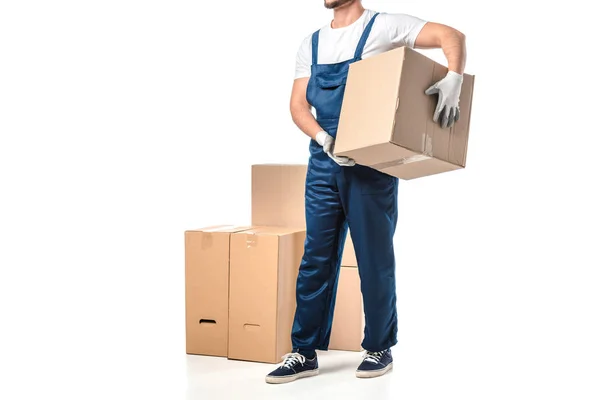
(386,120)
(207,289)
(278,200)
(347,332)
(262,287)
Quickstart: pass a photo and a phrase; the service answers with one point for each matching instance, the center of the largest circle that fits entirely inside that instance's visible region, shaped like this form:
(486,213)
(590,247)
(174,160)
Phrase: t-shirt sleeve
(303,59)
(403,29)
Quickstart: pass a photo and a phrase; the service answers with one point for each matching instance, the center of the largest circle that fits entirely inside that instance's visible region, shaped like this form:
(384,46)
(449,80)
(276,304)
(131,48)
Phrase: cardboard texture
(278,200)
(348,327)
(262,286)
(278,195)
(349,256)
(386,121)
(207,289)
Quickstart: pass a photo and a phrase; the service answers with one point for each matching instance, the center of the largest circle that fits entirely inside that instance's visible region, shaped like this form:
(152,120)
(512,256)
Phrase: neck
(346,15)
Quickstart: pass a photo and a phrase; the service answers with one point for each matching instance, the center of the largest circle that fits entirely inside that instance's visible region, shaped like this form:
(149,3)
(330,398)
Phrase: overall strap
(364,37)
(315,47)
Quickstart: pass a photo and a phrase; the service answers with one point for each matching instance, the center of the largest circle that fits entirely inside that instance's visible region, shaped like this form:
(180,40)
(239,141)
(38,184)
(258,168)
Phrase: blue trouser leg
(325,235)
(371,203)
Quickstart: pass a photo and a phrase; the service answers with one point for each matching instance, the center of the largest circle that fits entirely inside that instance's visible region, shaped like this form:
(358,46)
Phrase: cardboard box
(207,289)
(347,332)
(278,200)
(386,120)
(262,287)
(349,256)
(278,195)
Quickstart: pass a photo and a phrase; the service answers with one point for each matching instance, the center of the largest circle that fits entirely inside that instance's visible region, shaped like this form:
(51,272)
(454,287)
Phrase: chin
(333,4)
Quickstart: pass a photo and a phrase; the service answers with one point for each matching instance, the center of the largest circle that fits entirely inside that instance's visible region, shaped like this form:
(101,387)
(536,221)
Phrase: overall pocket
(332,80)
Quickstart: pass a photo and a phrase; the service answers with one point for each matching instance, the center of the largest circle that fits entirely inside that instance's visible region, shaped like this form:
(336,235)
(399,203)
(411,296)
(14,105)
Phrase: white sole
(374,374)
(291,378)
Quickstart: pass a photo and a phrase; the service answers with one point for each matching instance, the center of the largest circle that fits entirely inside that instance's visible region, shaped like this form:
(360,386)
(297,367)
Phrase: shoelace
(291,359)
(373,356)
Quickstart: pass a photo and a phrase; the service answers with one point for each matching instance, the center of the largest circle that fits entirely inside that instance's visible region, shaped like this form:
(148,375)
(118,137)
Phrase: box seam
(228,293)
(277,296)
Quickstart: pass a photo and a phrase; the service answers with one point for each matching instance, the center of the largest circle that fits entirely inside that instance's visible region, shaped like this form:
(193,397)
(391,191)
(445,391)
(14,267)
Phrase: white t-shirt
(336,45)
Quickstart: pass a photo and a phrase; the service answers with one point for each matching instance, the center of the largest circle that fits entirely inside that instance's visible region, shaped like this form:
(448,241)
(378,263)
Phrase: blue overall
(359,197)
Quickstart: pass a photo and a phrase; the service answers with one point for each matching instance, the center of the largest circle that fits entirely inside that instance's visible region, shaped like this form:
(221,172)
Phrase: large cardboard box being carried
(386,121)
(262,286)
(207,289)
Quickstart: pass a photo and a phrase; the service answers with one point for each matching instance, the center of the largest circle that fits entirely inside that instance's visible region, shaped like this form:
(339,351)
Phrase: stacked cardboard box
(348,327)
(240,281)
(278,199)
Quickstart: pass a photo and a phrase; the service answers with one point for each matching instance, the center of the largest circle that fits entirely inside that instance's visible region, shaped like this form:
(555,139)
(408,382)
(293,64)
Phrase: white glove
(327,142)
(448,90)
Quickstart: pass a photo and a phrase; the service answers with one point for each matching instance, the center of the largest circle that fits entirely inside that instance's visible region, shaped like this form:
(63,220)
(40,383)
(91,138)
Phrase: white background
(107,155)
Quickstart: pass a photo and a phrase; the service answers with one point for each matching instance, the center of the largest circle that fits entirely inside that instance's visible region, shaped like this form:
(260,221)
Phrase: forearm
(305,121)
(454,46)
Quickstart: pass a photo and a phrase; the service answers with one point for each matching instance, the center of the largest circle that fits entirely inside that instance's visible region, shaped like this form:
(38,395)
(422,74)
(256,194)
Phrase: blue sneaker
(294,366)
(375,363)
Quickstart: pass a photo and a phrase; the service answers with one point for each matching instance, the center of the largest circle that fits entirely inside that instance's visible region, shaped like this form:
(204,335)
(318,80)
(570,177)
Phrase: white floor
(218,378)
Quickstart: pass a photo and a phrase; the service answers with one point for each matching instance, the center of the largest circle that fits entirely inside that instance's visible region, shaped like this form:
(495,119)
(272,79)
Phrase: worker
(340,194)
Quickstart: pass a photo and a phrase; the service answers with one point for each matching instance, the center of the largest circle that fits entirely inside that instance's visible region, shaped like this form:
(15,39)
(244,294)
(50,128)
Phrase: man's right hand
(327,142)
(305,120)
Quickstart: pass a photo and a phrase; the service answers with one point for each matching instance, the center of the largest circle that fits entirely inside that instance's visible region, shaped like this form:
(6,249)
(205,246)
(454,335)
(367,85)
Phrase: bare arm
(451,41)
(300,109)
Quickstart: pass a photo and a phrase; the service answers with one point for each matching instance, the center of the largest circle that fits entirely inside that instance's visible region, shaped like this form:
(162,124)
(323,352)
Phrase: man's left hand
(448,91)
(341,160)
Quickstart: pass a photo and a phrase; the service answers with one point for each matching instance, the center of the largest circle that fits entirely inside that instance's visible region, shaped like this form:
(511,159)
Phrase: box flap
(221,229)
(272,231)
